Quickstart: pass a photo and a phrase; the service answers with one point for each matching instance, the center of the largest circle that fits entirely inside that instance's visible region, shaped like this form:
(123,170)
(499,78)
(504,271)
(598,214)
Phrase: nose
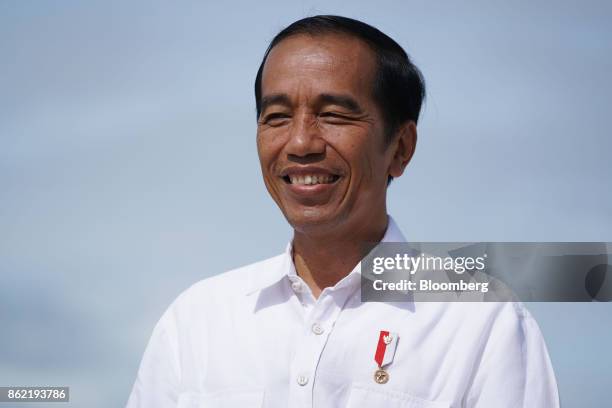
(305,139)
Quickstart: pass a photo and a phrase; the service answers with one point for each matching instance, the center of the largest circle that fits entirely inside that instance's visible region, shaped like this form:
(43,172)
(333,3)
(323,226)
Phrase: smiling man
(337,106)
(326,148)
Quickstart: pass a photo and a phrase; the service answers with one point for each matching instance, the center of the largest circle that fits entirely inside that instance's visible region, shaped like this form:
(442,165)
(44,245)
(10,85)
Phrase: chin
(311,220)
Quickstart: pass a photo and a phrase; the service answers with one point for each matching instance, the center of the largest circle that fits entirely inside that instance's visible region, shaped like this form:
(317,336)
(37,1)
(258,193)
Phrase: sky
(128,168)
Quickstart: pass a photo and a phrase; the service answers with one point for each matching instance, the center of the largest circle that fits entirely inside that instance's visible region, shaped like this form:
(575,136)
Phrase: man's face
(320,135)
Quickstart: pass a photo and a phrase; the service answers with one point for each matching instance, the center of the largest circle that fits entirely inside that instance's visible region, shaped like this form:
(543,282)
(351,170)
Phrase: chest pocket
(225,399)
(365,396)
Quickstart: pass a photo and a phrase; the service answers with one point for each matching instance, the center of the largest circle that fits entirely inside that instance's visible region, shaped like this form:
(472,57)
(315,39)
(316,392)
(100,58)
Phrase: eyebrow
(344,101)
(274,99)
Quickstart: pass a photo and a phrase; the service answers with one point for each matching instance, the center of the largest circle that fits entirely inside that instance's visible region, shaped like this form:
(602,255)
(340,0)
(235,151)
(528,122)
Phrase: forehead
(330,62)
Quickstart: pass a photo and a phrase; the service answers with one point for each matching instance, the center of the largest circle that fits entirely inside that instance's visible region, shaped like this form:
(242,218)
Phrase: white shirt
(256,337)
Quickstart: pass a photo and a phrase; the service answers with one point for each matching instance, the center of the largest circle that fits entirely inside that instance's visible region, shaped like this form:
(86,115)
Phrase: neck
(323,260)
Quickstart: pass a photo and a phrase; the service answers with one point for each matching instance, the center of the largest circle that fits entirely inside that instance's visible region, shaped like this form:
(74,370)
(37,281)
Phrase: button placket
(308,352)
(302,292)
(310,345)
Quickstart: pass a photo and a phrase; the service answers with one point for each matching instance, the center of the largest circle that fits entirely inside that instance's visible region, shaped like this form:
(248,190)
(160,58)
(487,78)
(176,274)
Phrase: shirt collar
(285,267)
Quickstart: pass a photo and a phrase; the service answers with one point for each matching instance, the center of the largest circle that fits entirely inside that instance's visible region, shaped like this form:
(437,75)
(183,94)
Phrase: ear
(403,148)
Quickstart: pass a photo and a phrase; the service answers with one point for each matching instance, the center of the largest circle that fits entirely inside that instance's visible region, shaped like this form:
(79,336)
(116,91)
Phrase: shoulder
(492,311)
(499,336)
(226,287)
(511,356)
(507,328)
(513,316)
(481,323)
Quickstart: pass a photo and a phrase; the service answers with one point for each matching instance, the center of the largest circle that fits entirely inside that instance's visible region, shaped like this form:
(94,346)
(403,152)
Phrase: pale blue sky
(128,168)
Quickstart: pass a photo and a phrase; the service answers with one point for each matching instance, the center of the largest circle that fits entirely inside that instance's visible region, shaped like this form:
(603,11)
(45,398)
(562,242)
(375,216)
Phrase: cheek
(267,150)
(261,149)
(368,162)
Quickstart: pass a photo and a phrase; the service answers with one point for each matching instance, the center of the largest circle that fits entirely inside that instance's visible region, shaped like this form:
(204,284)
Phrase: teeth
(311,179)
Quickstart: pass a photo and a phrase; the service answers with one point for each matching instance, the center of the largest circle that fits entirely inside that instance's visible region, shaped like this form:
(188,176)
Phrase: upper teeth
(311,179)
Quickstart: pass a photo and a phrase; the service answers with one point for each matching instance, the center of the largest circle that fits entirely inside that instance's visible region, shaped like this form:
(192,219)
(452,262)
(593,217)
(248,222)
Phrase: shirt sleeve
(515,370)
(157,382)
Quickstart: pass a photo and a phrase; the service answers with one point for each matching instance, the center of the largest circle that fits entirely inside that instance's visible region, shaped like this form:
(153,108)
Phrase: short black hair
(399,87)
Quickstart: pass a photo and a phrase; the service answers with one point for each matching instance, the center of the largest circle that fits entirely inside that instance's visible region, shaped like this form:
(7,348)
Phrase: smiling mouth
(311,179)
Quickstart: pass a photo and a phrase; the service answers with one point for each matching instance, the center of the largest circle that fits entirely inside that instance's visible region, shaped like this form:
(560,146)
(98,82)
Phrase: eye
(275,119)
(329,114)
(334,117)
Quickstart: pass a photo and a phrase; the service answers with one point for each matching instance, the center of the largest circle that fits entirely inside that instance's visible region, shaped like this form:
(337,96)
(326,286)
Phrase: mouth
(311,185)
(310,179)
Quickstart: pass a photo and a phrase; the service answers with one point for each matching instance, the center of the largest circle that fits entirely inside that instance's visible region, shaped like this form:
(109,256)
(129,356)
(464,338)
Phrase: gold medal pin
(385,351)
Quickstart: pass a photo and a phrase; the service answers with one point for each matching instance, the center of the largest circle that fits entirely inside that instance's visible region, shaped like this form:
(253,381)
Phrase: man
(337,104)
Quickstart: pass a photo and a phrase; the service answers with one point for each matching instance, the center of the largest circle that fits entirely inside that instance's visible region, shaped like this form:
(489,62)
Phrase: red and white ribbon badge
(385,351)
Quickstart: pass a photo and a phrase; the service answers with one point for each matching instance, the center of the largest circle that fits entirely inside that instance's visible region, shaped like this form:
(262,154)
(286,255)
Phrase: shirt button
(317,329)
(302,379)
(296,286)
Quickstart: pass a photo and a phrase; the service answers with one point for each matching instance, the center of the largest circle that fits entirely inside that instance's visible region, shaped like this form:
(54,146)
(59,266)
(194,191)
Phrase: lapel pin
(385,351)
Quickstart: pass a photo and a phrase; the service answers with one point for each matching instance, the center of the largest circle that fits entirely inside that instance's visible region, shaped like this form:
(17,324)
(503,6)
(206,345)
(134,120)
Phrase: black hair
(398,89)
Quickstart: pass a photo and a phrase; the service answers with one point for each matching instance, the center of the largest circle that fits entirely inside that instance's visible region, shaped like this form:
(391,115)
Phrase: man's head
(339,100)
